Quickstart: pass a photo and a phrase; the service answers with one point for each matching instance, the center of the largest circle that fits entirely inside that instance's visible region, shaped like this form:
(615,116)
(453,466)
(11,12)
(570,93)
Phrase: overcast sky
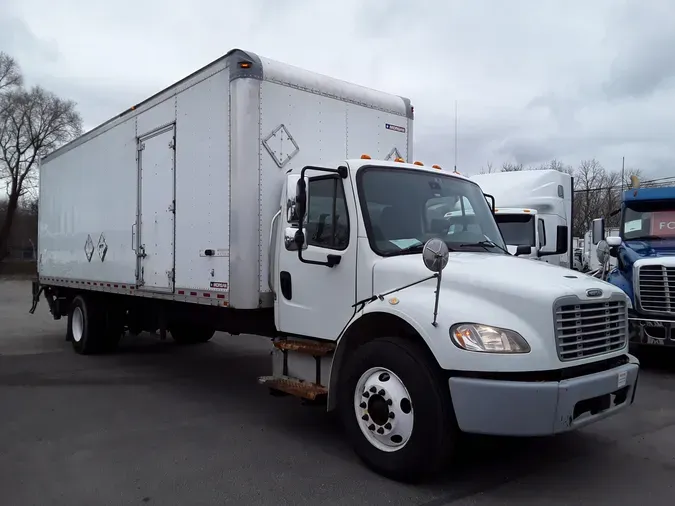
(534,79)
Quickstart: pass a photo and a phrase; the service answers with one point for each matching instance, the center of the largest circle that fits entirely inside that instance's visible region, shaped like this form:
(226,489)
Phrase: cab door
(316,300)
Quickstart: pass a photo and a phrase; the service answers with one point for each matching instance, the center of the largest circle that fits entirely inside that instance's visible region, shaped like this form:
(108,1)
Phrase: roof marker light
(399,159)
(419,163)
(436,167)
(365,157)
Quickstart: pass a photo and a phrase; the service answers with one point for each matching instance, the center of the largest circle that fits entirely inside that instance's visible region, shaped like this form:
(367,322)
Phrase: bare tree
(488,169)
(32,123)
(557,165)
(10,73)
(512,167)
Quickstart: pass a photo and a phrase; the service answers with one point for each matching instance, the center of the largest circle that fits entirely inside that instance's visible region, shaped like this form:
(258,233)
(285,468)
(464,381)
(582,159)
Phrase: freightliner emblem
(594,292)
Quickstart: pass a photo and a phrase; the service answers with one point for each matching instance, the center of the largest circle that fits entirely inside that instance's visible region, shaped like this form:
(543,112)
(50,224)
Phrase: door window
(327,220)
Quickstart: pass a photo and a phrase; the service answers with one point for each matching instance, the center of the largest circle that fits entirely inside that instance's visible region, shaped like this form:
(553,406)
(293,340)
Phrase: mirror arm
(383,295)
(332,260)
(488,196)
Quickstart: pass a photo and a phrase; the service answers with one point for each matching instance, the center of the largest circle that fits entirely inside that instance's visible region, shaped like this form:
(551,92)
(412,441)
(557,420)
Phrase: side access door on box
(155,239)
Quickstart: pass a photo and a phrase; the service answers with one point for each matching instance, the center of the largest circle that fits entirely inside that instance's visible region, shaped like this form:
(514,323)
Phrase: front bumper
(651,331)
(522,408)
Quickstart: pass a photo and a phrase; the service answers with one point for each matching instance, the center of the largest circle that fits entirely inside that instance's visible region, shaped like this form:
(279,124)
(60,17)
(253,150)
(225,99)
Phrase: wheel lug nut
(381,392)
(363,405)
(392,416)
(364,417)
(380,430)
(366,394)
(389,402)
(371,427)
(387,426)
(373,390)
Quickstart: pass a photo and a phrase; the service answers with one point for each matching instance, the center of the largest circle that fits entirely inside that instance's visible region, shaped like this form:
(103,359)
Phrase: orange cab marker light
(365,157)
(436,167)
(419,163)
(399,159)
(244,64)
(526,210)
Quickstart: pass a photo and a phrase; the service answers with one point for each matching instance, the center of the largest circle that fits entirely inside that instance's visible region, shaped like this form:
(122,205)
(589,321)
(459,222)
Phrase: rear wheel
(88,329)
(396,410)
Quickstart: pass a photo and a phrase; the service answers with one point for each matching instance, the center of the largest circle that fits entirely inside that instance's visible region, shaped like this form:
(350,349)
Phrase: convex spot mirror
(435,254)
(603,252)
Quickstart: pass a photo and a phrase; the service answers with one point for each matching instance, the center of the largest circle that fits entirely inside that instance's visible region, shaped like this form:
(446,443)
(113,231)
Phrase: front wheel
(396,410)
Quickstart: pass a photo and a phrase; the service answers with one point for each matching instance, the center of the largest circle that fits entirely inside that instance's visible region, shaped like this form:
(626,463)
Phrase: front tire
(396,410)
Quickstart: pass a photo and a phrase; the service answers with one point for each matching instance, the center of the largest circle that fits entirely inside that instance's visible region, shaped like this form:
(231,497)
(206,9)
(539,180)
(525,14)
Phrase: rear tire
(88,329)
(191,334)
(393,376)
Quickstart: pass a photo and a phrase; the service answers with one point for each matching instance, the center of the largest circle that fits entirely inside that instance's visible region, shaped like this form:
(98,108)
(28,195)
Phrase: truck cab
(644,255)
(436,327)
(530,207)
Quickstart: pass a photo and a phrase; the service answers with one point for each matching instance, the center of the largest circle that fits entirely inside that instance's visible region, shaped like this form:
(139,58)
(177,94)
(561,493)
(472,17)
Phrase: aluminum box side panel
(382,135)
(86,192)
(203,185)
(310,130)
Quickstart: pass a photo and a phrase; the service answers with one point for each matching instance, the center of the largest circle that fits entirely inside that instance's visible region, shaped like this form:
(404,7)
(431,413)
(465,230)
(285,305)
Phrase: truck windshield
(517,229)
(649,221)
(403,208)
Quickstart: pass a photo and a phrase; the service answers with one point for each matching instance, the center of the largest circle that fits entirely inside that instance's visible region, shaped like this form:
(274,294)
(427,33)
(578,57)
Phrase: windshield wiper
(486,245)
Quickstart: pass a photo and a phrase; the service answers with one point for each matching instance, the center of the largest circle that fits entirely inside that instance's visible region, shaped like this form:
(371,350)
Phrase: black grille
(657,289)
(587,329)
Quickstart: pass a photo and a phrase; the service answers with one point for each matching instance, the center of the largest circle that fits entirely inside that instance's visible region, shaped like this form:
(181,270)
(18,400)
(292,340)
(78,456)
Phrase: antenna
(623,170)
(455,135)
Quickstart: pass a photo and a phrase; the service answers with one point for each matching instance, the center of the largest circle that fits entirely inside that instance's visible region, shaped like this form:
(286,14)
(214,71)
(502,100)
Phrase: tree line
(597,190)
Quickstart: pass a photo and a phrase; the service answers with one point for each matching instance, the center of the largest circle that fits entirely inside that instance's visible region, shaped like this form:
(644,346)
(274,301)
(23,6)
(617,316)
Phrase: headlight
(476,337)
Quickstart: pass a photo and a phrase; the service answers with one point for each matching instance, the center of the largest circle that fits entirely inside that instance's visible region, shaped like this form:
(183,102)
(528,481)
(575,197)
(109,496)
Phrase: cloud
(532,80)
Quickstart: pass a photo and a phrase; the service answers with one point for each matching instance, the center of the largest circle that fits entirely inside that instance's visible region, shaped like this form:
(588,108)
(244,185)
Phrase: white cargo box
(174,197)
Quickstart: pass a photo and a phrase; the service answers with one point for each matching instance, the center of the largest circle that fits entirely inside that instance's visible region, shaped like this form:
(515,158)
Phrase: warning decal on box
(218,284)
(395,128)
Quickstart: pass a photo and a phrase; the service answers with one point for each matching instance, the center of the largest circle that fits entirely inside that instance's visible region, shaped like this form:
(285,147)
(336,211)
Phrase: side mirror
(435,254)
(523,250)
(301,199)
(561,240)
(603,252)
(491,202)
(597,230)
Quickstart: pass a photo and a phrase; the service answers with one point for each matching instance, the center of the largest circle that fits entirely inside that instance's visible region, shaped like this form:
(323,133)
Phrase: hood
(635,250)
(491,275)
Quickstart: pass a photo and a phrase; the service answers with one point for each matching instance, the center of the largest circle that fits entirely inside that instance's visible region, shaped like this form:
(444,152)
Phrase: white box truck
(238,200)
(531,205)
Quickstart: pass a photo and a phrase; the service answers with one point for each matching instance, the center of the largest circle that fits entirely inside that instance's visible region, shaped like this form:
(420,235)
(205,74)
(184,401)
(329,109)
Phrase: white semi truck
(530,206)
(238,200)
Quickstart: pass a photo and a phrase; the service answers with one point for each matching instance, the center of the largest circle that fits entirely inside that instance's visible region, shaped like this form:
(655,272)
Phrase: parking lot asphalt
(160,424)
